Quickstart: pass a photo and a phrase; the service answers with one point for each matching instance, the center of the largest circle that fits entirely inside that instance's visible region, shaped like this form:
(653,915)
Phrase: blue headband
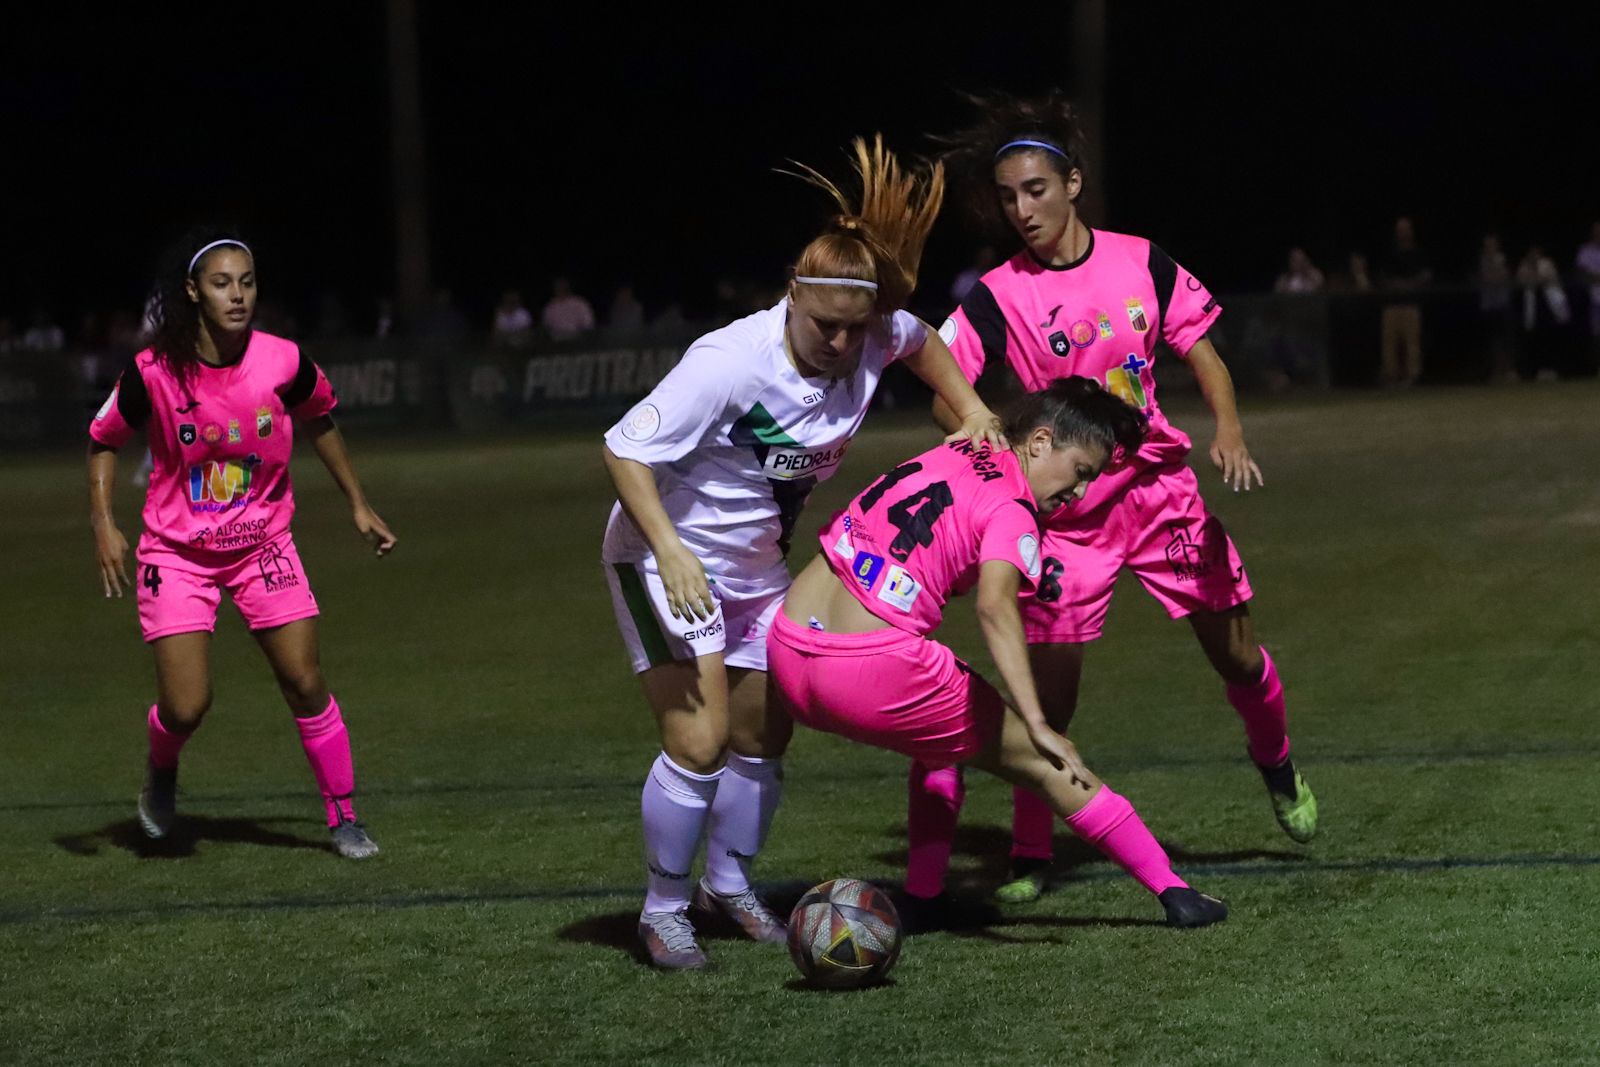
(1024,143)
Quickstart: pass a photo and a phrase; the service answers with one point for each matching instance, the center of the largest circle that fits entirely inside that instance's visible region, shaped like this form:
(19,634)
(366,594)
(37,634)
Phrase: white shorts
(738,628)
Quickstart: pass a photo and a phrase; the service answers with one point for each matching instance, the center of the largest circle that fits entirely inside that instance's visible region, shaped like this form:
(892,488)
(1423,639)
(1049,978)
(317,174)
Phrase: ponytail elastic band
(855,283)
(1046,145)
(217,244)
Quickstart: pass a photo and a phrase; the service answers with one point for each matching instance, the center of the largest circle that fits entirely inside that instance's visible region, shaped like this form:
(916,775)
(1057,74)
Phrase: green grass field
(1425,566)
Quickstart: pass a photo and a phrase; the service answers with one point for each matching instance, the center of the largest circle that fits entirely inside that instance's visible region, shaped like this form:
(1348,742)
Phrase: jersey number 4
(914,522)
(152,579)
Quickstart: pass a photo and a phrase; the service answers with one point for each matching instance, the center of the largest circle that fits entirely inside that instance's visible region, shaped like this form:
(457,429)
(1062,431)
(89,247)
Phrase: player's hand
(110,551)
(1233,460)
(688,592)
(1060,752)
(981,427)
(374,529)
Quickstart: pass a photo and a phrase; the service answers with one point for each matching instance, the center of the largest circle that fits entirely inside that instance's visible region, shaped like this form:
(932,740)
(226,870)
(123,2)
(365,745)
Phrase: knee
(182,714)
(700,753)
(1242,665)
(305,691)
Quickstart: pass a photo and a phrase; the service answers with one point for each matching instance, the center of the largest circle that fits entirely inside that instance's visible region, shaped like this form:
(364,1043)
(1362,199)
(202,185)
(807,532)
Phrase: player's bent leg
(1057,667)
(291,650)
(183,687)
(1256,693)
(1104,819)
(690,702)
(746,800)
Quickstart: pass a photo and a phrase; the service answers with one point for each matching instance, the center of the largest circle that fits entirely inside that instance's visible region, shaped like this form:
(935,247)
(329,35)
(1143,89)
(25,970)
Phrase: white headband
(217,244)
(853,282)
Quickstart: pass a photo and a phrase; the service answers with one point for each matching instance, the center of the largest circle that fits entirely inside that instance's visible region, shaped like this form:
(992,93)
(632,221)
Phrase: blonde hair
(882,242)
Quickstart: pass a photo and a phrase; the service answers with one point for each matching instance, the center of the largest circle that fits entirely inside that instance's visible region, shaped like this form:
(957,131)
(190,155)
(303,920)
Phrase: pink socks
(1109,823)
(327,745)
(164,744)
(935,805)
(1266,721)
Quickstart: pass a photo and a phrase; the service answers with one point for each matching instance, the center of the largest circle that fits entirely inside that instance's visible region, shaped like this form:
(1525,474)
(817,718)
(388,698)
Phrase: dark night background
(614,148)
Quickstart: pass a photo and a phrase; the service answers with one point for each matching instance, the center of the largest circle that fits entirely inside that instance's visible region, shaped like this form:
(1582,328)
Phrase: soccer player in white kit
(711,471)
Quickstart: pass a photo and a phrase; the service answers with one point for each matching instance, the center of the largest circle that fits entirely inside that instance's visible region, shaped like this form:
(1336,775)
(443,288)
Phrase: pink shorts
(268,586)
(1153,523)
(887,688)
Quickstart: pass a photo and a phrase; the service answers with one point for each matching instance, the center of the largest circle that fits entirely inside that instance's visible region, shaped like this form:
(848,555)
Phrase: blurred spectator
(983,261)
(1356,278)
(1493,281)
(567,315)
(513,322)
(1405,274)
(384,327)
(43,335)
(1301,277)
(1544,311)
(626,314)
(670,320)
(1589,272)
(442,320)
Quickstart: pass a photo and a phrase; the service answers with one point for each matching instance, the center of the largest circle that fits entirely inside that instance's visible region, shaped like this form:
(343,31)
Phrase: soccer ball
(844,934)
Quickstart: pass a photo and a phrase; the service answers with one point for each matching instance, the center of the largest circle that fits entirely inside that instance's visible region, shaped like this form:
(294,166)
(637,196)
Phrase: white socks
(675,804)
(741,814)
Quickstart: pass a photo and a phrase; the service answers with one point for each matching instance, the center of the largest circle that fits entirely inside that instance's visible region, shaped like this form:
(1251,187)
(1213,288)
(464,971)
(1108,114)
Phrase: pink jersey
(1099,317)
(220,441)
(919,534)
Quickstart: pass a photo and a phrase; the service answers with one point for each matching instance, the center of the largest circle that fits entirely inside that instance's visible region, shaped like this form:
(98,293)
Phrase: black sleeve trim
(133,397)
(984,313)
(304,384)
(1164,273)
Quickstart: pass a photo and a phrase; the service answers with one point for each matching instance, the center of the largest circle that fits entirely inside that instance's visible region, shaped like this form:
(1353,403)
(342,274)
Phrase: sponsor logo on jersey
(1050,319)
(200,538)
(1191,283)
(1185,555)
(276,570)
(866,568)
(947,332)
(263,422)
(843,548)
(1127,381)
(1136,317)
(899,589)
(234,437)
(710,629)
(1210,305)
(784,464)
(1081,333)
(812,398)
(221,485)
(642,423)
(1059,344)
(1028,549)
(186,433)
(1105,327)
(238,534)
(105,409)
(211,433)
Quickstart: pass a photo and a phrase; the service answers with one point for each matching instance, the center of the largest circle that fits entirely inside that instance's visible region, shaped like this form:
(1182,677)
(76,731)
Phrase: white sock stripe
(682,784)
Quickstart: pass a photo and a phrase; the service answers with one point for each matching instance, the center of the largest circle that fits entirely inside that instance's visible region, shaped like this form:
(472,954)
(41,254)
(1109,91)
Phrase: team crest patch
(1136,317)
(947,332)
(1105,327)
(234,436)
(186,433)
(643,423)
(1081,333)
(263,422)
(899,589)
(866,568)
(211,433)
(1059,344)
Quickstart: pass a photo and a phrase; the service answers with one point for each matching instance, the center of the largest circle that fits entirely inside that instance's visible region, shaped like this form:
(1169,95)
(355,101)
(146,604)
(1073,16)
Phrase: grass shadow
(187,833)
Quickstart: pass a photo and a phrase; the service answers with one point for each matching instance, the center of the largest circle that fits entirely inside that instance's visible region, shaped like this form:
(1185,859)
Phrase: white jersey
(737,438)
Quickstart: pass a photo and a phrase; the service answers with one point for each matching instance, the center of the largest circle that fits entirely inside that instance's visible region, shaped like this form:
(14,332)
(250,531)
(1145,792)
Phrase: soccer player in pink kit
(711,471)
(850,653)
(1082,301)
(219,402)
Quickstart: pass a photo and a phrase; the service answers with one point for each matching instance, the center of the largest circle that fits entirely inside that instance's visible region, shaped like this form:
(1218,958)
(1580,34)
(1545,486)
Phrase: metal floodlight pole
(409,172)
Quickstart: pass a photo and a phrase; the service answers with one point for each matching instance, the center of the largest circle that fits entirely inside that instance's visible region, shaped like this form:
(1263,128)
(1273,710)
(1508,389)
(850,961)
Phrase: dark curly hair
(1079,412)
(174,318)
(970,154)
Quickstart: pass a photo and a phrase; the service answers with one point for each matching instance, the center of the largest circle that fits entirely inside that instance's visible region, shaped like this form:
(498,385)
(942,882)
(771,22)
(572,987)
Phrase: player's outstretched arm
(682,573)
(964,414)
(998,585)
(1228,451)
(329,443)
(110,547)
